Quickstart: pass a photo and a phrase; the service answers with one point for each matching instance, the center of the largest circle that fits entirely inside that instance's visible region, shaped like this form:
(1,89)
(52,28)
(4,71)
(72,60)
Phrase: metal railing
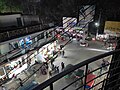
(8,35)
(98,81)
(51,39)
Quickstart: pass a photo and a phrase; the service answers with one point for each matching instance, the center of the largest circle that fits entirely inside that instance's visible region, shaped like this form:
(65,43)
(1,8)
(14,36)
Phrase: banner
(112,26)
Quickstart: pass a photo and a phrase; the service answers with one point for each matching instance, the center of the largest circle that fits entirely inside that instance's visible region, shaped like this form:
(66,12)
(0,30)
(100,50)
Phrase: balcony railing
(12,34)
(89,76)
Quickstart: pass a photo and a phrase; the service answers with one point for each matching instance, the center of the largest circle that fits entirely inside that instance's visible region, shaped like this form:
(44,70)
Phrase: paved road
(75,54)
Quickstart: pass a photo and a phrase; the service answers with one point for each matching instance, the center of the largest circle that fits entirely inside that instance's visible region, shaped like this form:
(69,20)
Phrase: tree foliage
(10,6)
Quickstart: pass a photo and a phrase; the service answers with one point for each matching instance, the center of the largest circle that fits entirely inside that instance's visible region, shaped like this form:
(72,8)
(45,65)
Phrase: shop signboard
(112,26)
(21,43)
(28,41)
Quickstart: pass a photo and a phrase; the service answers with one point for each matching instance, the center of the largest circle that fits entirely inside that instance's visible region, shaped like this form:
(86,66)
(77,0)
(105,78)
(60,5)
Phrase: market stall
(47,52)
(17,66)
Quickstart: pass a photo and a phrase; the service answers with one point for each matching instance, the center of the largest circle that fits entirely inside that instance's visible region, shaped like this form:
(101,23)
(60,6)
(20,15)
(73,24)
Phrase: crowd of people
(54,69)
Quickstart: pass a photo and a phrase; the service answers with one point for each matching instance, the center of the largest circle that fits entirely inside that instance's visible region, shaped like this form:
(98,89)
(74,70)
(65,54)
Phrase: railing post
(51,86)
(103,84)
(86,72)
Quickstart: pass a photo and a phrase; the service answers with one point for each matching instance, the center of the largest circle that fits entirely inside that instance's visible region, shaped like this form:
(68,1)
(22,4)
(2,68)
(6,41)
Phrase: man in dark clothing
(62,65)
(57,69)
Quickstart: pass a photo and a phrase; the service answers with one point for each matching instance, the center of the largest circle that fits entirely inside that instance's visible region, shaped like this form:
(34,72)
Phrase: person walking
(57,69)
(62,65)
(50,73)
(62,53)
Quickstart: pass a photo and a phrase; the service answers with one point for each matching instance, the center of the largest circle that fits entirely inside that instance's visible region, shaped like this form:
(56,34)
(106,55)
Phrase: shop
(3,75)
(13,68)
(47,52)
(16,66)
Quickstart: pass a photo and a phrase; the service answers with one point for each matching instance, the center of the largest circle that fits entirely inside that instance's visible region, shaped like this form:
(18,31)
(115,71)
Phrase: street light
(97,25)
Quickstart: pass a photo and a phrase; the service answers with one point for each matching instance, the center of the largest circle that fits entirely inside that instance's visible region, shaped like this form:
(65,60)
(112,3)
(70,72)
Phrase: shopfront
(3,75)
(17,66)
(47,52)
(13,68)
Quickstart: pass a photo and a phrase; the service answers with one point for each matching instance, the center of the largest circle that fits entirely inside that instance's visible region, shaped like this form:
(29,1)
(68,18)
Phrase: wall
(9,20)
(4,48)
(30,19)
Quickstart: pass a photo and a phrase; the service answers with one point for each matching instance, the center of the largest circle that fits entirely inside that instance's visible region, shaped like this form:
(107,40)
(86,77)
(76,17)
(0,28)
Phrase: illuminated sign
(112,26)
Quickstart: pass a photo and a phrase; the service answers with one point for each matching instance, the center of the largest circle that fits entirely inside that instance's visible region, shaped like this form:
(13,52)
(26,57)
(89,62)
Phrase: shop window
(50,34)
(46,35)
(41,36)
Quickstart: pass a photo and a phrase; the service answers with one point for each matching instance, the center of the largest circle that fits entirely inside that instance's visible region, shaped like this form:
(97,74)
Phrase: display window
(47,51)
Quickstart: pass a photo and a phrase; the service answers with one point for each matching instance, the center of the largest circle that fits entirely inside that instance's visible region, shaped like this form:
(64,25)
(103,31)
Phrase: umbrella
(68,66)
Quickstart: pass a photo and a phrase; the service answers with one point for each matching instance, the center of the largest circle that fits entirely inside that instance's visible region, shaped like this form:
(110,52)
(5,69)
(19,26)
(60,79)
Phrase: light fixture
(97,24)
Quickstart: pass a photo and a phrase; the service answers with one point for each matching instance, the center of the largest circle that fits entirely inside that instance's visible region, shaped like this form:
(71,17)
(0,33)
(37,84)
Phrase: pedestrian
(62,65)
(53,66)
(63,53)
(50,73)
(21,83)
(57,69)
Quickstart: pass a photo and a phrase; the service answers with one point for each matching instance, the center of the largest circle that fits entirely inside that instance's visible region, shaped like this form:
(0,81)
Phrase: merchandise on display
(15,67)
(47,52)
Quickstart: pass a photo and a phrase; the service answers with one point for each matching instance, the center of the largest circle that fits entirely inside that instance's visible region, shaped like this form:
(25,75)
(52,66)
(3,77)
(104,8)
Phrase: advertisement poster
(112,28)
(21,43)
(69,22)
